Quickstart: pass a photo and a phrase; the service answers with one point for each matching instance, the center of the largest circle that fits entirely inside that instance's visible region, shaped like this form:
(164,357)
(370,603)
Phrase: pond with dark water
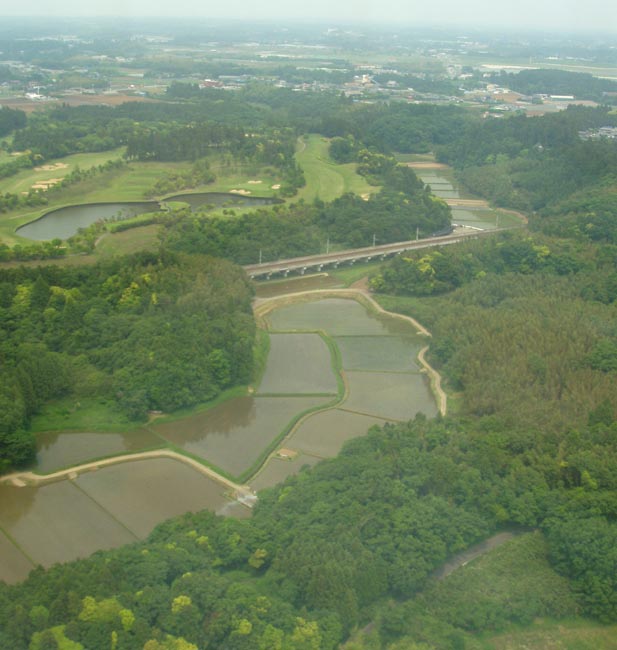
(65,222)
(204,200)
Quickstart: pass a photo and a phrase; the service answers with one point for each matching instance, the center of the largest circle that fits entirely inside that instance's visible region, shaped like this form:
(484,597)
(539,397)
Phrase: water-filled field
(233,434)
(482,219)
(298,363)
(14,565)
(278,469)
(115,505)
(55,450)
(335,316)
(324,434)
(159,488)
(395,396)
(393,353)
(379,361)
(58,522)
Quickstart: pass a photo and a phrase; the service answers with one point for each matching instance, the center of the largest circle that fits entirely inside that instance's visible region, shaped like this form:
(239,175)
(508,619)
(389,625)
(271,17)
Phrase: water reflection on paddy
(159,488)
(58,522)
(483,219)
(115,505)
(298,363)
(384,383)
(232,435)
(14,565)
(324,434)
(58,450)
(336,316)
(395,396)
(278,469)
(394,353)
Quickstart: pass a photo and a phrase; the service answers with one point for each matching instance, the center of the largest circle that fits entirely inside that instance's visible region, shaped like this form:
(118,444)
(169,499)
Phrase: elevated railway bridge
(315,263)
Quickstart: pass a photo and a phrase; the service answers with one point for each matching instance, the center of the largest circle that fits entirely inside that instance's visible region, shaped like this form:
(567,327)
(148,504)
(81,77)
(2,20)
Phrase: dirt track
(21,479)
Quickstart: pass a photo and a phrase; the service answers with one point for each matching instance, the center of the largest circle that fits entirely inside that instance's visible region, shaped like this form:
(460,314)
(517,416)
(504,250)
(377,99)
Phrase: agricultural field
(298,363)
(392,389)
(233,435)
(65,520)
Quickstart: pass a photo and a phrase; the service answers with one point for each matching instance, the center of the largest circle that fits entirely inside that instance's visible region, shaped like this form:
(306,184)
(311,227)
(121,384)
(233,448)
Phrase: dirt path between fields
(22,479)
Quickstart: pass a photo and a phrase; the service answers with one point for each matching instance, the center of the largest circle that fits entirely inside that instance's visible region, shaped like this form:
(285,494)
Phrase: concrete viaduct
(316,263)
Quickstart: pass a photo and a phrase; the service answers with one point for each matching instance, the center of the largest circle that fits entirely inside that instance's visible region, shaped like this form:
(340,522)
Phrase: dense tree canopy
(153,332)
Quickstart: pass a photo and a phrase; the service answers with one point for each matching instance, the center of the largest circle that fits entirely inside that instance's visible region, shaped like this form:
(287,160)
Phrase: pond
(65,222)
(202,200)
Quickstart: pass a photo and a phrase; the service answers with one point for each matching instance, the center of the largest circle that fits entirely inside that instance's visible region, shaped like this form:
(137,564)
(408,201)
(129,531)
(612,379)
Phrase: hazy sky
(551,15)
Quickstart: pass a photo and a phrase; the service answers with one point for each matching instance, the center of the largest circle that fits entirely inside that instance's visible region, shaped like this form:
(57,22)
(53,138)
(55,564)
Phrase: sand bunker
(51,168)
(243,192)
(45,185)
(276,187)
(255,182)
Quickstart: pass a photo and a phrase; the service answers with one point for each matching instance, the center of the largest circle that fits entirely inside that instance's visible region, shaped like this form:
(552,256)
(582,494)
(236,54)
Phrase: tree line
(150,332)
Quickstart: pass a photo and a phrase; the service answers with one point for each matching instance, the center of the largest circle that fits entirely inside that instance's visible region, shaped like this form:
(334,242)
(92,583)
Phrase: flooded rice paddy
(55,451)
(233,434)
(444,186)
(336,317)
(298,363)
(65,520)
(121,503)
(384,381)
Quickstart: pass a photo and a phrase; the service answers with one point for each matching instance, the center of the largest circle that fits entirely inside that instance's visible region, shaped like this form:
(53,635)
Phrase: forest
(523,332)
(153,332)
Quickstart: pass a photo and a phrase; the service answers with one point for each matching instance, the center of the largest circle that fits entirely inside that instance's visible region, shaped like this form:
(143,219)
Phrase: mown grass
(350,274)
(81,414)
(326,180)
(24,181)
(127,242)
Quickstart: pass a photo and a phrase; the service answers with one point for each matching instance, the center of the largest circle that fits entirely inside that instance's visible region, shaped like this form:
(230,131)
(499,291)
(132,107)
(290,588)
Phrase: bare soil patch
(427,165)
